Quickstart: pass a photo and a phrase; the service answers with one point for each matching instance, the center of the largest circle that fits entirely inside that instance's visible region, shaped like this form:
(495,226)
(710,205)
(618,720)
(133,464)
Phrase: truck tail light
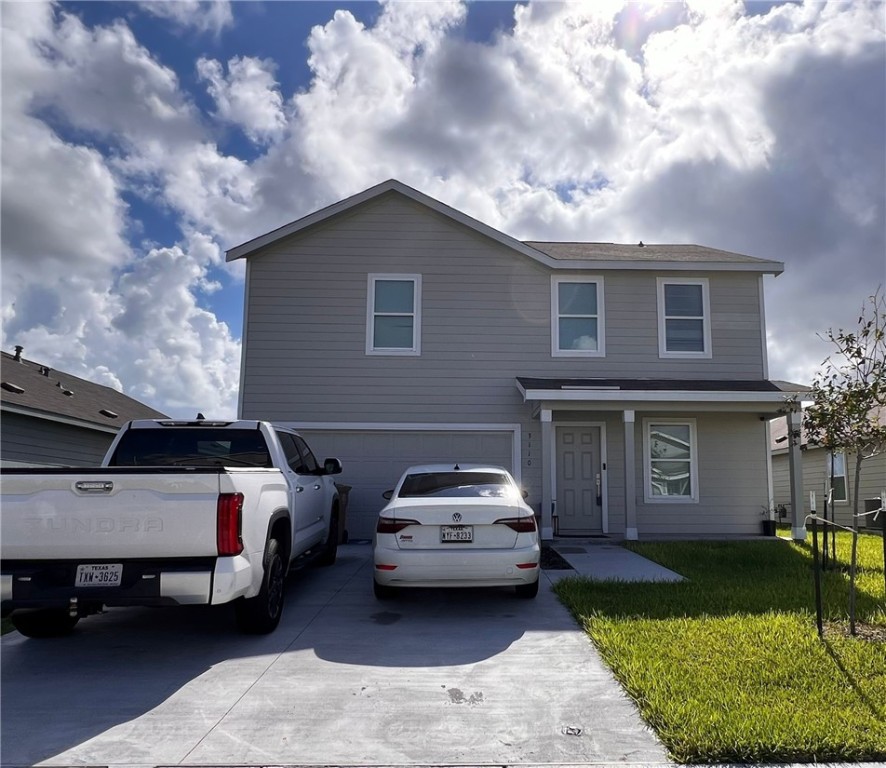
(518,524)
(392,525)
(229,524)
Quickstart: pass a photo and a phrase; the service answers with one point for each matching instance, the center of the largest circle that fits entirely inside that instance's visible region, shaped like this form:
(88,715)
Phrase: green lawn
(727,666)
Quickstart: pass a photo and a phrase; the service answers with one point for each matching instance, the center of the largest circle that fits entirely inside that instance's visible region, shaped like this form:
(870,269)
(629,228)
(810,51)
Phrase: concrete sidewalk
(606,561)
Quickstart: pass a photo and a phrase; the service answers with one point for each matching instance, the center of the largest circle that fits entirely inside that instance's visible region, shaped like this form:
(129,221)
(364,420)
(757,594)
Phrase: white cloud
(73,287)
(211,16)
(700,123)
(248,97)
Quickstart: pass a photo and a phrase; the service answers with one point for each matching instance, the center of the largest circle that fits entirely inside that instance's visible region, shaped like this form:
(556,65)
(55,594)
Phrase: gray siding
(486,318)
(26,441)
(815,478)
(732,481)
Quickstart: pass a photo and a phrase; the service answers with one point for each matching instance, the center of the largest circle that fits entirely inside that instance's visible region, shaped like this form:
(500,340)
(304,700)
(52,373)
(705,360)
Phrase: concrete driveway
(433,677)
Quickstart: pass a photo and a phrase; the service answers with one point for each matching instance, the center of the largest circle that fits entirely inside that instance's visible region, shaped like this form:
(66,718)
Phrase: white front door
(579,501)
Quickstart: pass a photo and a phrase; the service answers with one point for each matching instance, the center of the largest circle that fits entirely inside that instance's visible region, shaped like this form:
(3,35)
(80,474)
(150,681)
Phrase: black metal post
(883,528)
(816,571)
(825,549)
(852,569)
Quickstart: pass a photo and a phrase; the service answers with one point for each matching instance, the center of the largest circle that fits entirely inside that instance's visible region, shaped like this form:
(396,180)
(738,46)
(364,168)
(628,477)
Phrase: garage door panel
(374,460)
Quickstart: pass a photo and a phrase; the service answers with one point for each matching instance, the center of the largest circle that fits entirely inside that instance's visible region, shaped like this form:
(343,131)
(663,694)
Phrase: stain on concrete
(457,696)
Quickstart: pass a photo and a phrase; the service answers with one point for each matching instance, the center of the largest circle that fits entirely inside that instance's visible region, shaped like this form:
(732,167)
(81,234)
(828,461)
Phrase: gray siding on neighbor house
(26,441)
(486,318)
(815,478)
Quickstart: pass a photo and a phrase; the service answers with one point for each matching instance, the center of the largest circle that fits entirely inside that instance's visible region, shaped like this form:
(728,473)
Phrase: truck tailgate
(109,512)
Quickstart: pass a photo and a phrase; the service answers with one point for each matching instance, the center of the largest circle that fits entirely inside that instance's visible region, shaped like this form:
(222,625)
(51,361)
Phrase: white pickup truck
(199,512)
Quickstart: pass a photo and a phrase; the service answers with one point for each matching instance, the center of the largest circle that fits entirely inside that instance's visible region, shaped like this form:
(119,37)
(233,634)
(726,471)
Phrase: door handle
(599,484)
(298,489)
(317,487)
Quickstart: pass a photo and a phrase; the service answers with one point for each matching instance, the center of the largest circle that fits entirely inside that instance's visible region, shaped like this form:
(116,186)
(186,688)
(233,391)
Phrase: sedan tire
(527,591)
(383,591)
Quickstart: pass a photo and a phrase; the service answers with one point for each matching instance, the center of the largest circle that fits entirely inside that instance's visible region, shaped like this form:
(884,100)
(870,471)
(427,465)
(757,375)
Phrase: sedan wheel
(383,591)
(527,591)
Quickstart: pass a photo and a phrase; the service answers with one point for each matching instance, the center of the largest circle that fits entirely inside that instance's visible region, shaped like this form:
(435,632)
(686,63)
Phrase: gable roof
(555,255)
(38,391)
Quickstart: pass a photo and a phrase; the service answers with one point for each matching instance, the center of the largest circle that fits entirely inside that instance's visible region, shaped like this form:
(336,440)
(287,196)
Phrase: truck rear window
(195,447)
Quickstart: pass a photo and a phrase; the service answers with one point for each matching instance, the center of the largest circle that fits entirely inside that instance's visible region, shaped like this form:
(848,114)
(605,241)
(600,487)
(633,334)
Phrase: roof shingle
(36,388)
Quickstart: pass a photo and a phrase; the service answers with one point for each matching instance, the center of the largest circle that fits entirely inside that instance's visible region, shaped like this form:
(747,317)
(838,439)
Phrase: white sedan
(456,526)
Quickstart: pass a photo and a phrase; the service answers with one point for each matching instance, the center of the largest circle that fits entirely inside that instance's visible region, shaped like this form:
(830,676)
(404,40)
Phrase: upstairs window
(393,322)
(577,312)
(684,322)
(839,471)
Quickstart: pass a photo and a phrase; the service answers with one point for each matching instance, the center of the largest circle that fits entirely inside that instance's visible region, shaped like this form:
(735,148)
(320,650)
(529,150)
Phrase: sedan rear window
(457,485)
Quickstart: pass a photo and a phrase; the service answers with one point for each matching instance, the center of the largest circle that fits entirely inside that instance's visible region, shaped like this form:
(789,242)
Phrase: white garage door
(374,460)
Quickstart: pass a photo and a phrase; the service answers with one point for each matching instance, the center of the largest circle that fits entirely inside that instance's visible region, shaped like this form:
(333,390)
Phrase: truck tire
(260,615)
(49,622)
(330,548)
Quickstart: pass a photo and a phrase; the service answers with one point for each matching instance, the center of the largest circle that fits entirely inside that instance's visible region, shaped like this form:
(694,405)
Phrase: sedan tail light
(228,524)
(393,525)
(518,524)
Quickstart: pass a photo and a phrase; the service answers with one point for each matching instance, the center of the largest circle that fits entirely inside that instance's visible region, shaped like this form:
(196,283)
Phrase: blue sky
(141,140)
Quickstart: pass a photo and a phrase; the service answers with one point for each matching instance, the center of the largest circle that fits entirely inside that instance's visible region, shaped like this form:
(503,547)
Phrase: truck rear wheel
(48,622)
(260,615)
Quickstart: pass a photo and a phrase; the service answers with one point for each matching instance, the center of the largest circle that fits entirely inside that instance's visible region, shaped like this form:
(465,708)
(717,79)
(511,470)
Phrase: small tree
(849,394)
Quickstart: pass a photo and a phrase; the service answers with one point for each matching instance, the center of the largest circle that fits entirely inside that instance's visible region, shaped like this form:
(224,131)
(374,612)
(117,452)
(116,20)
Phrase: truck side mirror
(332,467)
(525,493)
(388,494)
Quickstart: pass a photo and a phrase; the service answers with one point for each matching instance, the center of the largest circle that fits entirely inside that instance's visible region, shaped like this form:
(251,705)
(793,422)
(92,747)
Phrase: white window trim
(845,475)
(648,497)
(555,318)
(371,349)
(706,320)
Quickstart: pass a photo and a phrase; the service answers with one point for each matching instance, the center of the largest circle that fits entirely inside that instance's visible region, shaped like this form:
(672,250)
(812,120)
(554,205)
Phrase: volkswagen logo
(456,518)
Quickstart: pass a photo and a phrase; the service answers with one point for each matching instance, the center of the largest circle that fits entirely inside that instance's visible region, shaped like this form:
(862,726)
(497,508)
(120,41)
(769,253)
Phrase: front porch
(644,458)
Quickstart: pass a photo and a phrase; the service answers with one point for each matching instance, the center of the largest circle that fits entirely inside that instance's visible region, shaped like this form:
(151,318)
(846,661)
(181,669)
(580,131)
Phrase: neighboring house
(817,467)
(53,419)
(625,386)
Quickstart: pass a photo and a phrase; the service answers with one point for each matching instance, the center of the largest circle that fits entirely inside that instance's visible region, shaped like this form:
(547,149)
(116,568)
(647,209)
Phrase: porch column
(630,478)
(798,509)
(547,483)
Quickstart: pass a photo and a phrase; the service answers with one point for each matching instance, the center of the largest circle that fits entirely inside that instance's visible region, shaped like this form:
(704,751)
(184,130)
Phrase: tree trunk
(854,491)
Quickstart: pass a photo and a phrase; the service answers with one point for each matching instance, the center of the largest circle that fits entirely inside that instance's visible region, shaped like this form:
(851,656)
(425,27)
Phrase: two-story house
(625,386)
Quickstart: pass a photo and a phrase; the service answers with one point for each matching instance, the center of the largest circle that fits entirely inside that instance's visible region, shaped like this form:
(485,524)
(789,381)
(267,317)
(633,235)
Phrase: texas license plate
(451,534)
(99,575)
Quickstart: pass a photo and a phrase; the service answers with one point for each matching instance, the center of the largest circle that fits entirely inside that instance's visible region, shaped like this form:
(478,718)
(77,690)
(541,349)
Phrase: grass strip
(727,666)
